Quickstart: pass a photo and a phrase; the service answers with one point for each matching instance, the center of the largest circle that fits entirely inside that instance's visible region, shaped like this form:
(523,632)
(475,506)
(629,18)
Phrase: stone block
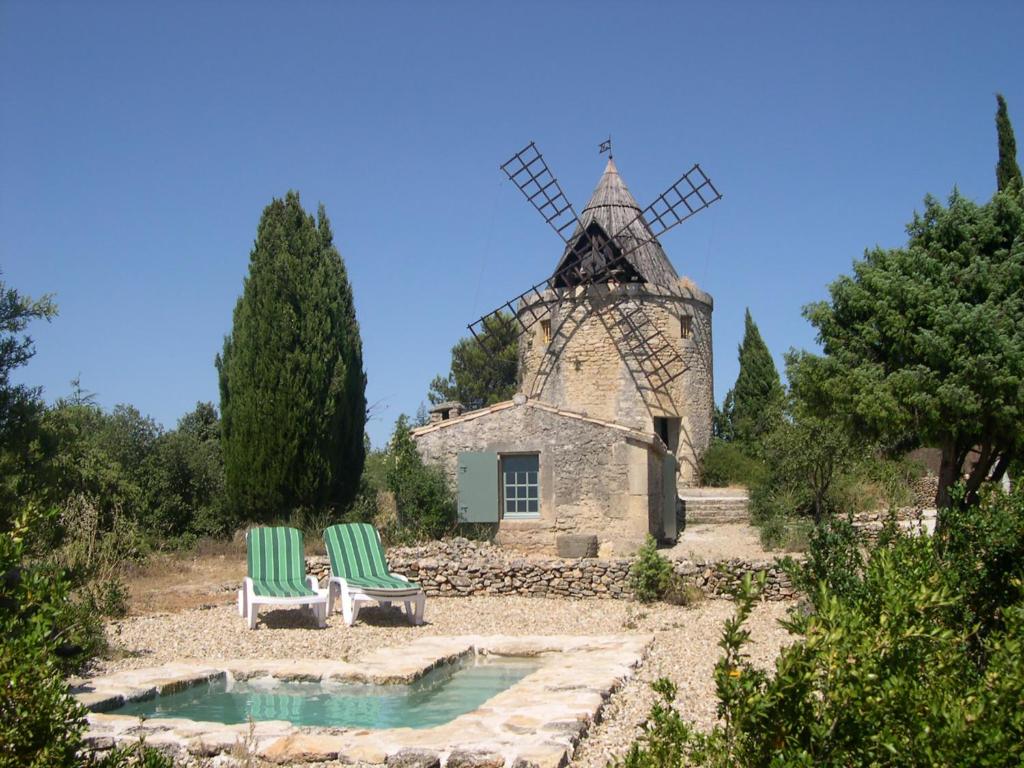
(464,758)
(576,545)
(414,758)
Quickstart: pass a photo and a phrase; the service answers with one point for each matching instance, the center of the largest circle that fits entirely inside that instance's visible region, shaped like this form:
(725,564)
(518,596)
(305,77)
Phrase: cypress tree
(1007,170)
(757,397)
(292,387)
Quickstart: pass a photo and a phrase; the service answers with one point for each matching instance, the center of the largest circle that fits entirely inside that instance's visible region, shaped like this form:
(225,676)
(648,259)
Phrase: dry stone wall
(461,568)
(913,520)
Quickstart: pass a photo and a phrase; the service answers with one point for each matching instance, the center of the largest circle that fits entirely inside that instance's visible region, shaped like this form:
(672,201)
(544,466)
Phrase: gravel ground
(685,647)
(720,541)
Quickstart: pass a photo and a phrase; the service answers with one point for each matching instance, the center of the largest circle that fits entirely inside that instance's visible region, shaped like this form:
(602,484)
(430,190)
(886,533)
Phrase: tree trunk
(949,473)
(979,473)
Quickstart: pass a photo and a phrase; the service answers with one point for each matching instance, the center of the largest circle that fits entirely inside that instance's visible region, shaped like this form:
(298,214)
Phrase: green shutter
(478,487)
(668,484)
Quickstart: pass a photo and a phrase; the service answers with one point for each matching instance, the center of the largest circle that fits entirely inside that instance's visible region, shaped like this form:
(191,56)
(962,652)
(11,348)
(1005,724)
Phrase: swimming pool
(538,719)
(437,697)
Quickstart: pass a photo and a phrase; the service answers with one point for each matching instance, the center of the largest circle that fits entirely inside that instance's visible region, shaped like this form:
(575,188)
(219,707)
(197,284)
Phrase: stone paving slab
(538,721)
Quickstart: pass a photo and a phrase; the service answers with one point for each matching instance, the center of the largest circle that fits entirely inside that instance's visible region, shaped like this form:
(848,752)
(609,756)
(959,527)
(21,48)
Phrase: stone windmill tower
(615,333)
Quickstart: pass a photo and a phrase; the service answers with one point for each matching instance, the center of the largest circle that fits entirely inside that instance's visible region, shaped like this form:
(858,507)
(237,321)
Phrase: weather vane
(606,146)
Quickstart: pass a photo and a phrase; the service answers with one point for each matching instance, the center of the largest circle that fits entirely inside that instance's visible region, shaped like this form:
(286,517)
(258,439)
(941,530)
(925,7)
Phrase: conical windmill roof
(614,208)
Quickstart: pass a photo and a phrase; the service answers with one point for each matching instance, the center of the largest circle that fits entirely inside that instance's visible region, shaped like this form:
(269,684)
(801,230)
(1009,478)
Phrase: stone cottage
(615,399)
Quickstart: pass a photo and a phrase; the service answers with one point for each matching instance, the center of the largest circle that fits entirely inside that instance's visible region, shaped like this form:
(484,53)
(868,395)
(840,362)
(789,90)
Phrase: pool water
(436,698)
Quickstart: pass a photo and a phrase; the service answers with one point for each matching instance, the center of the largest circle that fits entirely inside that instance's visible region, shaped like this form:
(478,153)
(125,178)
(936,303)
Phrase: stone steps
(714,505)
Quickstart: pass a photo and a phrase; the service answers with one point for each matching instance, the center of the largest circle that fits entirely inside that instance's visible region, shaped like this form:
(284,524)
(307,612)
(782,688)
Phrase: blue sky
(139,143)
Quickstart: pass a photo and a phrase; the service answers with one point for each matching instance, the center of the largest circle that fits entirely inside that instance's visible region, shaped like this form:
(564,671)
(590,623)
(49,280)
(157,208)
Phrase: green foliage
(424,501)
(478,379)
(292,387)
(184,488)
(94,551)
(40,724)
(650,575)
(729,463)
(1007,170)
(136,755)
(834,559)
(667,737)
(22,446)
(983,557)
(900,661)
(753,407)
(923,344)
(99,456)
(721,419)
(807,464)
(805,456)
(682,592)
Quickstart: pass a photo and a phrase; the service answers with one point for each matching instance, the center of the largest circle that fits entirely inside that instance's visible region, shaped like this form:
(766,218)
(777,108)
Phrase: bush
(682,592)
(771,510)
(650,574)
(885,669)
(425,504)
(185,496)
(137,755)
(729,463)
(983,556)
(40,723)
(834,559)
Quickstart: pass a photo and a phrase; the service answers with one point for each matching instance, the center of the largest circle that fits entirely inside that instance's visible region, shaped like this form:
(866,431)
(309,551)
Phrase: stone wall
(913,519)
(460,568)
(594,477)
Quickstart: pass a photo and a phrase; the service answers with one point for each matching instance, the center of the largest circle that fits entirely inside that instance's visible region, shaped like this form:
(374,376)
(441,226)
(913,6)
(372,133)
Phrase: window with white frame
(520,486)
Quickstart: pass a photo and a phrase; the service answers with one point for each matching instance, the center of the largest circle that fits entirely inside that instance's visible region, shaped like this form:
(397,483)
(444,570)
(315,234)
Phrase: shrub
(771,509)
(137,755)
(425,504)
(40,723)
(185,495)
(884,670)
(682,592)
(983,555)
(834,559)
(651,573)
(93,558)
(728,463)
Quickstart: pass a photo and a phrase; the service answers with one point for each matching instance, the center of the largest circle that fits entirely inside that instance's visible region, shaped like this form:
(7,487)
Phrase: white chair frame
(353,598)
(248,602)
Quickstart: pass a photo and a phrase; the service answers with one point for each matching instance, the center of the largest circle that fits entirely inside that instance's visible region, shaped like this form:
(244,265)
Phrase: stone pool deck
(537,722)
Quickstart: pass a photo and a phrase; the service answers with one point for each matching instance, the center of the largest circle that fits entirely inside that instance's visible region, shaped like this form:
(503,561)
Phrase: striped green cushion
(282,589)
(277,562)
(357,556)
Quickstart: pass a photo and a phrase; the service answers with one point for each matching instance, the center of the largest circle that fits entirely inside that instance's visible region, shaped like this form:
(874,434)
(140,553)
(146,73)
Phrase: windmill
(601,268)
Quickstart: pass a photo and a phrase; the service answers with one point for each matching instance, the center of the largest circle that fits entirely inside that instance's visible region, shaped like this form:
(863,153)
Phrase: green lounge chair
(277,575)
(359,574)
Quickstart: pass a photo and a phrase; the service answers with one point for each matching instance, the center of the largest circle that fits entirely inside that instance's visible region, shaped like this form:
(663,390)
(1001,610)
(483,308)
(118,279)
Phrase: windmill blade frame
(664,213)
(524,306)
(691,193)
(528,170)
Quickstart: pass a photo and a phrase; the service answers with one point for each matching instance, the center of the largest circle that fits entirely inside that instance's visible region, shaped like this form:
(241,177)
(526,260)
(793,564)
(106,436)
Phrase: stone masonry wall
(593,477)
(460,568)
(582,369)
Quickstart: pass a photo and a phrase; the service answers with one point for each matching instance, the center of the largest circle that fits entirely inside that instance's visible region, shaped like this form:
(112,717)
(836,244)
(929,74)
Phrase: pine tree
(478,378)
(1007,170)
(756,399)
(292,387)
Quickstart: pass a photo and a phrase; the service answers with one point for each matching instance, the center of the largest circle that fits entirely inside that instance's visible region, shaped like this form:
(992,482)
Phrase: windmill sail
(530,173)
(613,242)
